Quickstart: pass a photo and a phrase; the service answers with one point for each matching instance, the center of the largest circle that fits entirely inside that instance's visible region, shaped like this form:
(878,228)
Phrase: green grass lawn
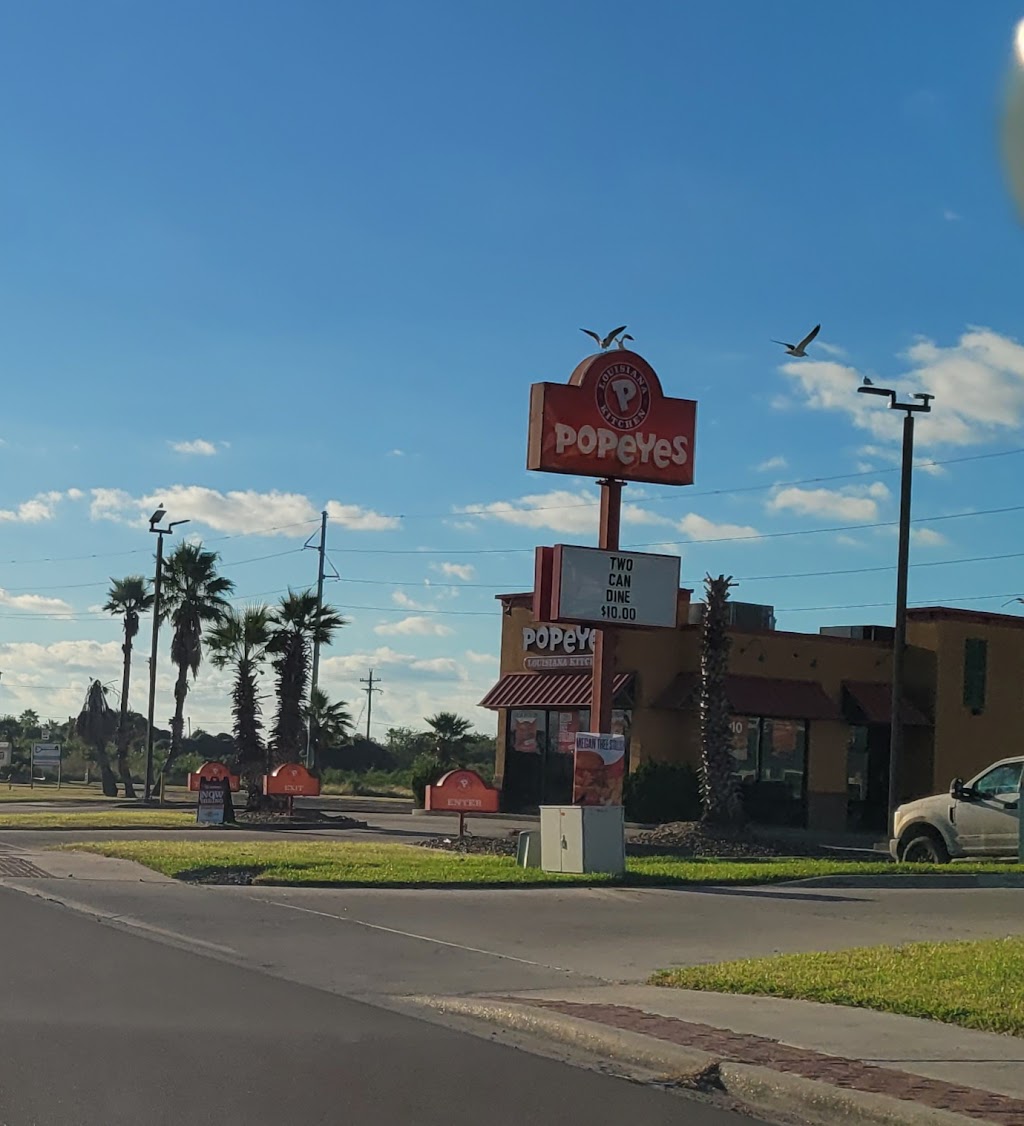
(47,791)
(974,984)
(100,819)
(367,864)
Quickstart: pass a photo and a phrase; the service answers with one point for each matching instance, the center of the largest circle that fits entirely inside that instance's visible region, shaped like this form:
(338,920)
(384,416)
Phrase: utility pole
(899,646)
(321,550)
(369,690)
(154,520)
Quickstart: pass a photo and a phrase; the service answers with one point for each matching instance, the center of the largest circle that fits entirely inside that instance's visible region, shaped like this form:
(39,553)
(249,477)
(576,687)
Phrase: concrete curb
(913,883)
(760,1088)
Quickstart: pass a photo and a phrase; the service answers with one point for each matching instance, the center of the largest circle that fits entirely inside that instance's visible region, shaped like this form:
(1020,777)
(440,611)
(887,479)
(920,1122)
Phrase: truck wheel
(925,849)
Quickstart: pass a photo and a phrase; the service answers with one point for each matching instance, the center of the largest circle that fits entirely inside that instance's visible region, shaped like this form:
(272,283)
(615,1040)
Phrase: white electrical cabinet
(582,838)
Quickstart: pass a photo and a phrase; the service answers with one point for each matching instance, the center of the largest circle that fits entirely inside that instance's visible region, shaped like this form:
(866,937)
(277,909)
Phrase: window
(1003,779)
(771,764)
(527,731)
(975,669)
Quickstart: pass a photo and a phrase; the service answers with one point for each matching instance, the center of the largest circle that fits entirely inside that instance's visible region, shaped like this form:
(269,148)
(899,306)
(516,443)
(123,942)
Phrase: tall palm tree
(95,726)
(240,640)
(451,733)
(330,724)
(719,786)
(194,596)
(127,599)
(297,625)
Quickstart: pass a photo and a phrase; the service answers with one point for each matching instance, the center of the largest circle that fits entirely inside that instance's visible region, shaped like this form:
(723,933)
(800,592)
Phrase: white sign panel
(5,754)
(616,588)
(46,754)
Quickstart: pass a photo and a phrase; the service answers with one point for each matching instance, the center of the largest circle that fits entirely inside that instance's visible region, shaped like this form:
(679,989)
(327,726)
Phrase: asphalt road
(100,1027)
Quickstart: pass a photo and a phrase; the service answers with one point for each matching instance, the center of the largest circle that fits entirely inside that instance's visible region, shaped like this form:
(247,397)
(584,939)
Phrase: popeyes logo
(612,420)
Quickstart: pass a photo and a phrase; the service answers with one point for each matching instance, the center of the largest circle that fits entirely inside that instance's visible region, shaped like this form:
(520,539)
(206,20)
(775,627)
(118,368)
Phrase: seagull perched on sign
(612,338)
(801,348)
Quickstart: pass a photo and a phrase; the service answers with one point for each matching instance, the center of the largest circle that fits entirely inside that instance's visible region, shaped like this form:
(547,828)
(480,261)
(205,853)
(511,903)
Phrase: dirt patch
(238,876)
(693,838)
(477,846)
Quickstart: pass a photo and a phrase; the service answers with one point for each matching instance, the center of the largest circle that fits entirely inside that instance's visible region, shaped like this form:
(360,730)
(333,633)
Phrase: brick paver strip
(840,1072)
(16,866)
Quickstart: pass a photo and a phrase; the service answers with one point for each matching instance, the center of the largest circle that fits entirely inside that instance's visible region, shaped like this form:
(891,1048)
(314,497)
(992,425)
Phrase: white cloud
(481,658)
(927,537)
(893,457)
(777,462)
(416,625)
(856,502)
(74,494)
(198,446)
(396,453)
(464,571)
(34,603)
(978,384)
(950,215)
(241,511)
(358,519)
(700,528)
(831,349)
(560,510)
(40,508)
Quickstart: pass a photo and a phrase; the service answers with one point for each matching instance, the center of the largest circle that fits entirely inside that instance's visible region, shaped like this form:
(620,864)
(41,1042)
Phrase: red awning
(776,698)
(767,696)
(547,690)
(872,703)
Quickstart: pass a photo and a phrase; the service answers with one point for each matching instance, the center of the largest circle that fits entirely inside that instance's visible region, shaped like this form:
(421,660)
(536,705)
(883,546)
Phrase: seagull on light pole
(801,348)
(606,342)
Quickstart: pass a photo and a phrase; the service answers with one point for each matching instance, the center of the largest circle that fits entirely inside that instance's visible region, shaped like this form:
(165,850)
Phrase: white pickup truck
(976,818)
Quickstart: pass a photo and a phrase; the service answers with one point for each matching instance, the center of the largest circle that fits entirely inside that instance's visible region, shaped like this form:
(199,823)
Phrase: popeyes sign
(612,420)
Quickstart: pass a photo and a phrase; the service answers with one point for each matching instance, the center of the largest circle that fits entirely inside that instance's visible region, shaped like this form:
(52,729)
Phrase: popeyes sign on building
(612,420)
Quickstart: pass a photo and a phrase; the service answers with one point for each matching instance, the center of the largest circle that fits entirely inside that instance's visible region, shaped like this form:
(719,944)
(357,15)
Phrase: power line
(876,605)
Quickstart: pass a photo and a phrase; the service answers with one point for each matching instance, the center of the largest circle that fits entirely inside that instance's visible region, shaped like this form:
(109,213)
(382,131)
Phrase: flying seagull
(801,348)
(609,340)
(623,338)
(1013,600)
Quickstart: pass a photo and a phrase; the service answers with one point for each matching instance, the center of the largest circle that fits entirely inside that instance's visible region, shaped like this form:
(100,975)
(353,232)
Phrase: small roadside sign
(210,810)
(5,754)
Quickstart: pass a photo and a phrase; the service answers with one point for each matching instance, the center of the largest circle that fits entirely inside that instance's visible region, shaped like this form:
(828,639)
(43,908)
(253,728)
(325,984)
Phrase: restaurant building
(811,711)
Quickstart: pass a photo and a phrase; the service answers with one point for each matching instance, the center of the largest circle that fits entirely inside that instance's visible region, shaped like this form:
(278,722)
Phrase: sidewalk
(823,1062)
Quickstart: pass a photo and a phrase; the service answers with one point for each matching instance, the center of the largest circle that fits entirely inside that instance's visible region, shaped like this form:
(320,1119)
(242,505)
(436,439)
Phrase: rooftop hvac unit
(740,615)
(860,633)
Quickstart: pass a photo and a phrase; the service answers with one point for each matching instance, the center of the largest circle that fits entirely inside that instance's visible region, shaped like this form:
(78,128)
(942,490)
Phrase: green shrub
(426,769)
(662,791)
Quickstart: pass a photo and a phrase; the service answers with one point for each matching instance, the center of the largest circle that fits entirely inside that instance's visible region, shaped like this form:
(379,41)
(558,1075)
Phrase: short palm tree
(719,785)
(330,725)
(239,640)
(95,726)
(127,599)
(297,625)
(451,733)
(194,596)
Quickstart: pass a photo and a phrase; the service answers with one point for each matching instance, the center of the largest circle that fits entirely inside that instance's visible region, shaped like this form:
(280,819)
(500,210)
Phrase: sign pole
(603,691)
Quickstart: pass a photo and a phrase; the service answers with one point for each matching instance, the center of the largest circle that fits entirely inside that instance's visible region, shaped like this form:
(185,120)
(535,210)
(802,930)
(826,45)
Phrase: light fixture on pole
(154,520)
(899,645)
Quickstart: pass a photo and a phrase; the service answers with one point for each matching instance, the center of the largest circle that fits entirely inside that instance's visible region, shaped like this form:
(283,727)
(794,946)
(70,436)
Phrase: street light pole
(154,520)
(899,644)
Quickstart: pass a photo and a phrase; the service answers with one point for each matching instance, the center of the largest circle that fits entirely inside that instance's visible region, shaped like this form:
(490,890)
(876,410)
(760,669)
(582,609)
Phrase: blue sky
(324,249)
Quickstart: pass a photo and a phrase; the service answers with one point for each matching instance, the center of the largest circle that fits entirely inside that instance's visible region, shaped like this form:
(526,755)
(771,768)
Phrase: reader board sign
(615,588)
(5,754)
(599,769)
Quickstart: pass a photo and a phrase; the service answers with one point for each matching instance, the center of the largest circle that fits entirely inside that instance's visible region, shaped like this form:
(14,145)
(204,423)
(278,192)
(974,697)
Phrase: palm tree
(240,640)
(330,724)
(297,625)
(451,732)
(127,598)
(719,785)
(194,596)
(96,726)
